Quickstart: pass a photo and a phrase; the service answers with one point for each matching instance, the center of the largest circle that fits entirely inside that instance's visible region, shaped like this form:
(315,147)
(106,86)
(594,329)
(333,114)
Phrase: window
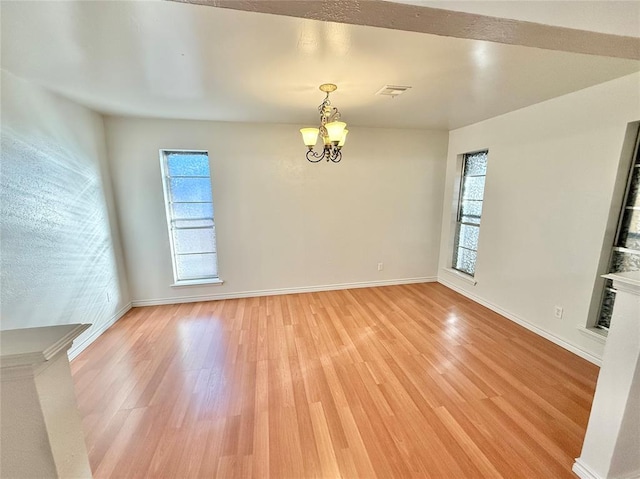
(189,205)
(474,170)
(625,255)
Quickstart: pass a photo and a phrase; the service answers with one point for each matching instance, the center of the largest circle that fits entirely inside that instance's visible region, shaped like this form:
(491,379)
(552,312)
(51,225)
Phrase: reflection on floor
(399,381)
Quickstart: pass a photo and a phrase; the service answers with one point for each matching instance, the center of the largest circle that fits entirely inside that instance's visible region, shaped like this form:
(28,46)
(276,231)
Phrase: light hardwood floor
(392,382)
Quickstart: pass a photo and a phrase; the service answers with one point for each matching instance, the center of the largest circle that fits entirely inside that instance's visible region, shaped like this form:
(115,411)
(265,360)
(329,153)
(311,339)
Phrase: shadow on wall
(57,259)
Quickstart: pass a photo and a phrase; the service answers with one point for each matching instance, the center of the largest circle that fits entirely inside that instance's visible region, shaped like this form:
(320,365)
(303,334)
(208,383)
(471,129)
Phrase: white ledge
(593,333)
(459,274)
(197,282)
(628,282)
(23,347)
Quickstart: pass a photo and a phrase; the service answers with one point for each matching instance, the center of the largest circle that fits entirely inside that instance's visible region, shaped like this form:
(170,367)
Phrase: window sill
(594,333)
(465,277)
(197,282)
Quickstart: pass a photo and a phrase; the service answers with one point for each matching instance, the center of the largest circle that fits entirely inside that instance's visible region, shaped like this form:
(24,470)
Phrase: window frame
(615,247)
(164,170)
(458,221)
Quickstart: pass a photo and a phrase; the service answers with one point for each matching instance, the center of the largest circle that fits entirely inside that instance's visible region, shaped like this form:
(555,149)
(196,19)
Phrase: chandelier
(332,131)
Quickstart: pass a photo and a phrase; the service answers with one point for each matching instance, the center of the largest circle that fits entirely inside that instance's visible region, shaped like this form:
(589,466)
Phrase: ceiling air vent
(392,90)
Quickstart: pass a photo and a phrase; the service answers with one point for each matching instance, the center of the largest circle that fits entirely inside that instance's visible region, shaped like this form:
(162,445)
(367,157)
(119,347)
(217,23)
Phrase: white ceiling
(173,60)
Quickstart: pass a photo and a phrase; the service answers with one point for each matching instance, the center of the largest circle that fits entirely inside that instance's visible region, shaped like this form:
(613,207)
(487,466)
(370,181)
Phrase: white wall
(550,182)
(281,222)
(60,250)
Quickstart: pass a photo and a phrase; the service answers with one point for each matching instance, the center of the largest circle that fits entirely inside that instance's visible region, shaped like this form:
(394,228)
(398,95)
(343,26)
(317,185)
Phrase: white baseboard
(583,471)
(77,348)
(523,322)
(274,292)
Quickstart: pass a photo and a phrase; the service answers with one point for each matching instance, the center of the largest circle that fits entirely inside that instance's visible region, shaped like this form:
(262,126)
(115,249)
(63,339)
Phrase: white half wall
(61,256)
(550,183)
(283,223)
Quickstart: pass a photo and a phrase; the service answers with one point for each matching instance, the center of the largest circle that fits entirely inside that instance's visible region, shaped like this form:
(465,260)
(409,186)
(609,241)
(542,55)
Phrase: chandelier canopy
(332,131)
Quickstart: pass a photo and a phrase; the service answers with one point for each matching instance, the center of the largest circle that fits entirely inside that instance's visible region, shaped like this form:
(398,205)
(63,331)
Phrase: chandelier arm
(313,154)
(336,156)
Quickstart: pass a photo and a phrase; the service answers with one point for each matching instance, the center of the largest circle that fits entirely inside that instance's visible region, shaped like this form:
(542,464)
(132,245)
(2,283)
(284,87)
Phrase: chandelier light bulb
(343,139)
(335,129)
(310,136)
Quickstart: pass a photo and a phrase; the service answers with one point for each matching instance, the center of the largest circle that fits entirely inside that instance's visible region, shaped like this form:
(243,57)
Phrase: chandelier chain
(328,113)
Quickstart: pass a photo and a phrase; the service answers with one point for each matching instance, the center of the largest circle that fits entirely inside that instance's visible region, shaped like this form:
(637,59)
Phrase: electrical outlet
(557,311)
(380,266)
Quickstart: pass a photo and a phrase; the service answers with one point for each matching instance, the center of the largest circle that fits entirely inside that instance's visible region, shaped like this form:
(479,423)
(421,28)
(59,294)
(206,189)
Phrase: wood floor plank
(470,447)
(412,381)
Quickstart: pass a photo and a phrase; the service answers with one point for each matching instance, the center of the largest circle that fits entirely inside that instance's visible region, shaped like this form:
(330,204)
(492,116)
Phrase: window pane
(607,308)
(188,164)
(473,188)
(634,189)
(468,236)
(630,230)
(471,211)
(192,210)
(465,261)
(194,241)
(196,266)
(476,164)
(623,262)
(190,189)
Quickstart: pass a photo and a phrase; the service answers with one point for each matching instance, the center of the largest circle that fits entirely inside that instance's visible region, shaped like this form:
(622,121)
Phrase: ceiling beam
(413,18)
